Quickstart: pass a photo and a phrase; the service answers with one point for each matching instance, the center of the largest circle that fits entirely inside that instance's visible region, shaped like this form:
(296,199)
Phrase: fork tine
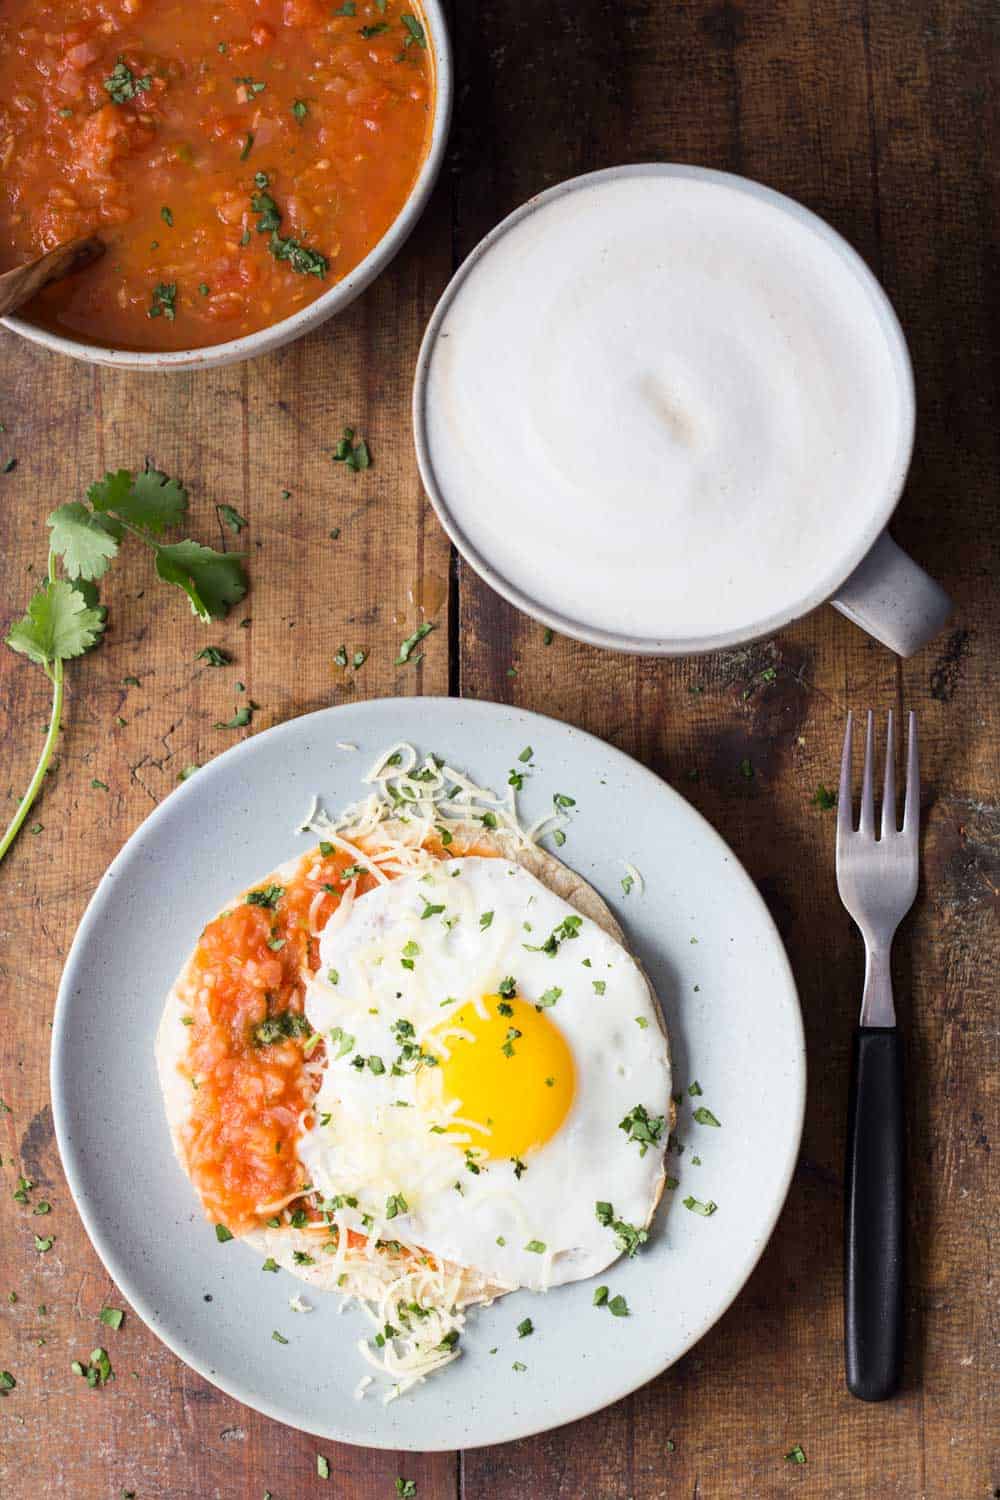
(911,812)
(867,824)
(889,784)
(845,811)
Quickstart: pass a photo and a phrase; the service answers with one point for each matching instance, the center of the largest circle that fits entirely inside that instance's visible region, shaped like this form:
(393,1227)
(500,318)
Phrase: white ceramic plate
(700,928)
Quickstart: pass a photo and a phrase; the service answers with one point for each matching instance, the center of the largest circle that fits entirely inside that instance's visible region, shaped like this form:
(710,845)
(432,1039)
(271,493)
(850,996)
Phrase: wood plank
(782,93)
(241,436)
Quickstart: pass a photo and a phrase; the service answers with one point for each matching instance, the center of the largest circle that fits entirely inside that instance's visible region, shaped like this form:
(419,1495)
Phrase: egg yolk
(510,1072)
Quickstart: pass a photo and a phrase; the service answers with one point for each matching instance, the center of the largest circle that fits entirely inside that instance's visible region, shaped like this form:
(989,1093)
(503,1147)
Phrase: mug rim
(339,296)
(866,537)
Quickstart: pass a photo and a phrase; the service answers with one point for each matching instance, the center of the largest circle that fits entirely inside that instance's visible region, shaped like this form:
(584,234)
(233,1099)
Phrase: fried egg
(497,1082)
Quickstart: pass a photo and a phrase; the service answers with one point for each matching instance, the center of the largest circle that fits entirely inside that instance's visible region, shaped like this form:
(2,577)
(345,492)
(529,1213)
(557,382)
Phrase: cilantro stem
(55,675)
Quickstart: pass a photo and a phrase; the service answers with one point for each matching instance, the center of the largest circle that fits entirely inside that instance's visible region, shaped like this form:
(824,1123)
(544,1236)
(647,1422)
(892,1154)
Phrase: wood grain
(882,118)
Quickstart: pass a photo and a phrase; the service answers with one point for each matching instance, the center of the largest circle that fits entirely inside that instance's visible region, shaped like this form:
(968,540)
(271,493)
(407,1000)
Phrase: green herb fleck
(407,647)
(706,1210)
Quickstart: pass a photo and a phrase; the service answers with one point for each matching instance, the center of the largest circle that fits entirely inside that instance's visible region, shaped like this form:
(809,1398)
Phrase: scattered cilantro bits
(706,1210)
(163,301)
(796,1455)
(630,1237)
(122,85)
(412,641)
(645,1129)
(97,1371)
(112,1317)
(353,455)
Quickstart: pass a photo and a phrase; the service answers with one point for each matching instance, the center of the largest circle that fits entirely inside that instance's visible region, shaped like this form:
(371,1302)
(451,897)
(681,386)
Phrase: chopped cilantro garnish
(112,1317)
(407,647)
(600,986)
(485,921)
(537,1247)
(824,799)
(704,1209)
(642,1127)
(517,1365)
(407,1488)
(395,1204)
(618,1307)
(796,1455)
(232,518)
(705,1116)
(97,1371)
(279,1338)
(222,1234)
(630,1238)
(122,84)
(167,216)
(322,1466)
(415,32)
(353,455)
(508,1045)
(507,987)
(524,1328)
(281,1027)
(300,110)
(548,998)
(569,927)
(268,895)
(215,656)
(164,301)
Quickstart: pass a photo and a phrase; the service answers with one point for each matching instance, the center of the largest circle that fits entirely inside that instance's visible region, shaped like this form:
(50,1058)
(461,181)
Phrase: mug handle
(891,597)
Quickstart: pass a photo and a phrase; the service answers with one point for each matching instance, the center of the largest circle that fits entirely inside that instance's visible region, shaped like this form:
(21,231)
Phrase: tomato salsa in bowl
(251,165)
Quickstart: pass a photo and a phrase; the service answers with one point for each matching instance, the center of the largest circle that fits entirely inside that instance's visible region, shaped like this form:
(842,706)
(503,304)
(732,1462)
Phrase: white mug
(880,588)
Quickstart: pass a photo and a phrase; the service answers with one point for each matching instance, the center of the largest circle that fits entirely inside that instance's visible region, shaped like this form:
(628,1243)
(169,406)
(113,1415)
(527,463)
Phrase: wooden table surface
(882,117)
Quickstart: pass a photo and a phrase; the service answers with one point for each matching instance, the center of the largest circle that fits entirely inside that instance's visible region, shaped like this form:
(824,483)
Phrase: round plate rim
(114,1263)
(754,630)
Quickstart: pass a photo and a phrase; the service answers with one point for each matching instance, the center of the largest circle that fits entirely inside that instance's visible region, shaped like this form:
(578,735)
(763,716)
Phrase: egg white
(370,1138)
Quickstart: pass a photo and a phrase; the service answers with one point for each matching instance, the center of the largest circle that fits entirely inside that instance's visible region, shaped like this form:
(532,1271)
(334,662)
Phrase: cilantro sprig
(65,619)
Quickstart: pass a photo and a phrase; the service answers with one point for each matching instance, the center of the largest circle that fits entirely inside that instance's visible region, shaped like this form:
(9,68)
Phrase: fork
(877,880)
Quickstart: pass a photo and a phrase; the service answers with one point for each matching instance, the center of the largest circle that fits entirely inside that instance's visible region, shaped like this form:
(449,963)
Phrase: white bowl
(331,302)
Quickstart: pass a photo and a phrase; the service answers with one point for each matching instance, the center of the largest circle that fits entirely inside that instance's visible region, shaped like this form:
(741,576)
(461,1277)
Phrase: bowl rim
(249,345)
(866,537)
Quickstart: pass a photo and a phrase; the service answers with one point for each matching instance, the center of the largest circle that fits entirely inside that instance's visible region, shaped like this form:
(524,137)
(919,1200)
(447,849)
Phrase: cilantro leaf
(211,580)
(57,626)
(82,540)
(148,500)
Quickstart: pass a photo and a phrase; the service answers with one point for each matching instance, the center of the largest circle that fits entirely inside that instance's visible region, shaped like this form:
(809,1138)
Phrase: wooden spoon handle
(18,286)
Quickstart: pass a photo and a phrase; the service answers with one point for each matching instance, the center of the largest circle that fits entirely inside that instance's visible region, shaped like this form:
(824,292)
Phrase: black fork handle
(874,1215)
